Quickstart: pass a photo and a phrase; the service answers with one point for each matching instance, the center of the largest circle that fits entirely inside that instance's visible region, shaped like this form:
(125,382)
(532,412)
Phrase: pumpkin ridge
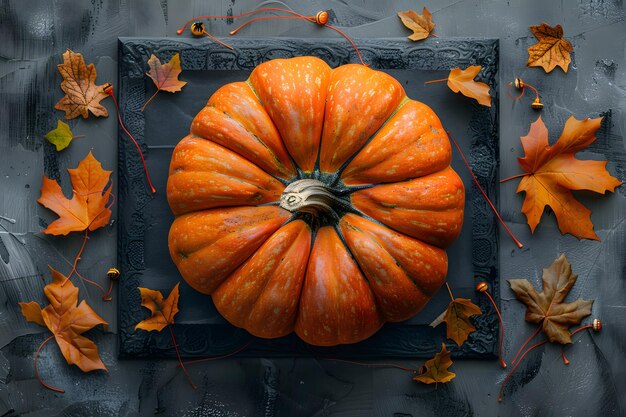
(376,240)
(287,254)
(347,162)
(280,164)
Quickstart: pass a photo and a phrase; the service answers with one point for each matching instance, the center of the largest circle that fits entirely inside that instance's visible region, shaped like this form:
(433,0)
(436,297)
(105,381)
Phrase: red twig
(515,367)
(493,208)
(502,362)
(374,365)
(37,372)
(294,15)
(532,336)
(214,358)
(180,361)
(565,360)
(109,91)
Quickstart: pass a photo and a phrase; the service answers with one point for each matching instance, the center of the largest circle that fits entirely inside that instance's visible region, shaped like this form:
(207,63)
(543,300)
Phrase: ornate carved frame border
(396,340)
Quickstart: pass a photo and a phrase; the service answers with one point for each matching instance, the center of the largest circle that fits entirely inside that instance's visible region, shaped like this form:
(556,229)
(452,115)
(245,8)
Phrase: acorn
(113,274)
(537,104)
(197,28)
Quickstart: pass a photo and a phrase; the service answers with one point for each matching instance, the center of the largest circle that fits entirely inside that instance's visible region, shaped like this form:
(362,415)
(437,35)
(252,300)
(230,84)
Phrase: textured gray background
(33,34)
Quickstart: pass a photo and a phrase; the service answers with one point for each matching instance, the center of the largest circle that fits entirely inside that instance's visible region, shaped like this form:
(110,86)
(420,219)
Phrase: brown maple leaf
(457,318)
(82,95)
(437,368)
(548,307)
(88,207)
(165,76)
(553,171)
(67,320)
(421,25)
(463,81)
(551,50)
(163,310)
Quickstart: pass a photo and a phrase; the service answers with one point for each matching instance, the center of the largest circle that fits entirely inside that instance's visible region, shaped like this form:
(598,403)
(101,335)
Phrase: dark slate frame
(394,340)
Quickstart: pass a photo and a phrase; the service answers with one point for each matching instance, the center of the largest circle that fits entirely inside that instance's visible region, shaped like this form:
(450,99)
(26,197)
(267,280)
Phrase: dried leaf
(163,310)
(82,95)
(551,50)
(61,137)
(88,207)
(67,321)
(32,312)
(553,172)
(421,25)
(548,307)
(165,76)
(457,318)
(463,81)
(437,368)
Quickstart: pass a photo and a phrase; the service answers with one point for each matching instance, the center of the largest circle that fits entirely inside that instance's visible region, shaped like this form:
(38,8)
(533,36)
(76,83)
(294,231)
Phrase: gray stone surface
(33,34)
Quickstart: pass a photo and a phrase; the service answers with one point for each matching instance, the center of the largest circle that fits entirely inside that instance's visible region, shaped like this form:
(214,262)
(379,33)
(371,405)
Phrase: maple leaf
(457,318)
(67,320)
(61,136)
(437,368)
(165,76)
(551,50)
(421,25)
(82,95)
(548,307)
(463,81)
(553,171)
(88,207)
(163,310)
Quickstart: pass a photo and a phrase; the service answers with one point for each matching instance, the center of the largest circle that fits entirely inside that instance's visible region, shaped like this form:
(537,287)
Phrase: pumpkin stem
(311,196)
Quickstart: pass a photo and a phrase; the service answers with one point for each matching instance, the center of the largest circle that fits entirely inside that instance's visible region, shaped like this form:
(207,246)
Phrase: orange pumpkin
(314,200)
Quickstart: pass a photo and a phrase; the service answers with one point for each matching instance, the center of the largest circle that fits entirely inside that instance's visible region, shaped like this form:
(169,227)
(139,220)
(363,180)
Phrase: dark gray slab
(144,219)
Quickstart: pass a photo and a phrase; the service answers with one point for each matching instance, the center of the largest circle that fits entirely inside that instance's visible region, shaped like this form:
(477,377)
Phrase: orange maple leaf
(551,50)
(437,368)
(67,320)
(88,207)
(421,25)
(163,310)
(165,76)
(553,171)
(82,95)
(463,81)
(457,318)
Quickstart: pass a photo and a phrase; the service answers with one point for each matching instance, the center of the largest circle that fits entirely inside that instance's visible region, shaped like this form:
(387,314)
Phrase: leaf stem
(436,81)
(480,188)
(515,176)
(78,136)
(150,99)
(37,372)
(449,291)
(77,258)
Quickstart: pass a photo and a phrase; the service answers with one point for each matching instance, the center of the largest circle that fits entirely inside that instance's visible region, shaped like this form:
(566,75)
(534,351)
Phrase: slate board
(144,220)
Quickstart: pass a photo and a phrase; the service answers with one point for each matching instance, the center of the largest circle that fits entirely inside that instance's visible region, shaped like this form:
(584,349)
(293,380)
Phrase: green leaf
(61,136)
